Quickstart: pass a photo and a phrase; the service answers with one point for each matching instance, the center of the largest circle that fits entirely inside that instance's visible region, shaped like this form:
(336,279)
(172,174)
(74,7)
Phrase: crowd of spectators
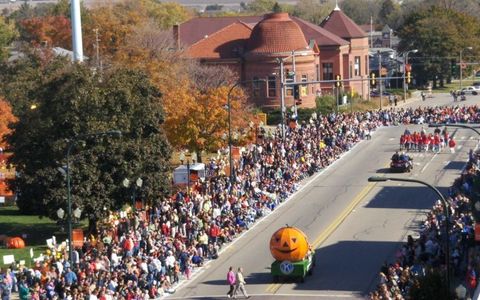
(426,255)
(142,254)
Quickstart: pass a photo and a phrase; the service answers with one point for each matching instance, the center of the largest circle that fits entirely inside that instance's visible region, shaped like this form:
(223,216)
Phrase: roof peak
(337,8)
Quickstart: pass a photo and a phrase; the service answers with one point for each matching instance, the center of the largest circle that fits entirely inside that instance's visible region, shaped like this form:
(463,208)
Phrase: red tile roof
(340,24)
(196,29)
(276,33)
(321,36)
(228,42)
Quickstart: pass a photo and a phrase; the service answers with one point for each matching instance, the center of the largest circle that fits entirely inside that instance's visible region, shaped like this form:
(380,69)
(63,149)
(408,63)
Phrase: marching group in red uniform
(423,141)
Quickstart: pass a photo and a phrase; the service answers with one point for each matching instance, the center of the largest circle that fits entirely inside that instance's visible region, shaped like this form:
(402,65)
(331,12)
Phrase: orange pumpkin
(15,243)
(289,243)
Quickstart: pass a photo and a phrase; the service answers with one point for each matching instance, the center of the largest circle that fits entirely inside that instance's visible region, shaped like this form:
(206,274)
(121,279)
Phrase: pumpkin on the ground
(289,243)
(15,243)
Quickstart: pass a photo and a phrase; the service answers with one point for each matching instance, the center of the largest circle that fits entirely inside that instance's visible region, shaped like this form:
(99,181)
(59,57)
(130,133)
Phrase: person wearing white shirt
(170,260)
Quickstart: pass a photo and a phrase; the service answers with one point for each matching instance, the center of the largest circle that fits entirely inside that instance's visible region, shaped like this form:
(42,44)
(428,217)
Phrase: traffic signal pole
(380,77)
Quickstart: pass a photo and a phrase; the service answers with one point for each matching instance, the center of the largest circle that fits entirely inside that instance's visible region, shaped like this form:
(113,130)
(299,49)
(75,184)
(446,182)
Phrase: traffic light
(373,81)
(409,77)
(338,82)
(454,67)
(296,92)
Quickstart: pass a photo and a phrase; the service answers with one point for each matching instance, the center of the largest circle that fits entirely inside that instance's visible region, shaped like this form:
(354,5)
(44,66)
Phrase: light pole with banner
(134,186)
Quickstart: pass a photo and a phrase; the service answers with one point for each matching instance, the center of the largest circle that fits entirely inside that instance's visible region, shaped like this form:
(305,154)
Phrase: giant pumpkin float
(289,243)
(293,256)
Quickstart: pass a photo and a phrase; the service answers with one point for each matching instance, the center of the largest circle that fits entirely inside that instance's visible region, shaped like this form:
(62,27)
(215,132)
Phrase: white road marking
(391,139)
(459,147)
(426,165)
(463,137)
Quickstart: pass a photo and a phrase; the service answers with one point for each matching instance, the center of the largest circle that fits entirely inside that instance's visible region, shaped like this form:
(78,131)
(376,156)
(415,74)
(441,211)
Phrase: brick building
(253,45)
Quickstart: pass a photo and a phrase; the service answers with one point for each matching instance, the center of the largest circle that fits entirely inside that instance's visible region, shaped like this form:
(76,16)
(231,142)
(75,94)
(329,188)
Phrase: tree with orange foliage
(55,31)
(6,118)
(194,95)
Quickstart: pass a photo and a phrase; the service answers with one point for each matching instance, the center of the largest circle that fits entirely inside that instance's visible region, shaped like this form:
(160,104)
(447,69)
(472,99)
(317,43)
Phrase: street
(354,226)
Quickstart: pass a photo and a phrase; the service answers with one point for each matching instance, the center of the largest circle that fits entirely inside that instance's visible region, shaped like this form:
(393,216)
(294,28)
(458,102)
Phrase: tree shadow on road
(353,266)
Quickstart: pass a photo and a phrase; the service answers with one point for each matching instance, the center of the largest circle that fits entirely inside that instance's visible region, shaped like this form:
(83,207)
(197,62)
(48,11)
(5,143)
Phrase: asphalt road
(353,225)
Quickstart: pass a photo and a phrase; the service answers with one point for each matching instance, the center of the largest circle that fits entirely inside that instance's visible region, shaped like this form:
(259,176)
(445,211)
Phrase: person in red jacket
(436,142)
(452,145)
(426,142)
(214,232)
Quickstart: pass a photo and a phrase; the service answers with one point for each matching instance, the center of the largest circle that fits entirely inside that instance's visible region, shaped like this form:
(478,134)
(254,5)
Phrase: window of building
(327,71)
(317,71)
(256,86)
(357,66)
(272,86)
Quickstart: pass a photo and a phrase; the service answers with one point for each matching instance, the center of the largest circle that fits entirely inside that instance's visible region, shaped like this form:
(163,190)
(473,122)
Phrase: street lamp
(230,123)
(138,184)
(380,82)
(445,209)
(405,62)
(194,159)
(295,72)
(461,65)
(282,82)
(71,143)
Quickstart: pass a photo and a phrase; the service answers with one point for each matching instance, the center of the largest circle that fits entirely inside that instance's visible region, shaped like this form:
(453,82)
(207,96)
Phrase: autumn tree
(438,34)
(6,119)
(7,35)
(54,31)
(261,6)
(74,101)
(313,10)
(114,24)
(167,14)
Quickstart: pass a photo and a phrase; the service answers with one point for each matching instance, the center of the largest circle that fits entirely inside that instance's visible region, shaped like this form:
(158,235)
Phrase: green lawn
(36,229)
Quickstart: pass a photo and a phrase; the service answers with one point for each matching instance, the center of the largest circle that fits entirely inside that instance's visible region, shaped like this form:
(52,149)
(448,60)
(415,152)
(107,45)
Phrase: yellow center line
(343,215)
(274,287)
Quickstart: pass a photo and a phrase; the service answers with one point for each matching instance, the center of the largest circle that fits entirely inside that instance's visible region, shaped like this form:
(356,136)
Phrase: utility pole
(380,76)
(77,46)
(97,48)
(282,97)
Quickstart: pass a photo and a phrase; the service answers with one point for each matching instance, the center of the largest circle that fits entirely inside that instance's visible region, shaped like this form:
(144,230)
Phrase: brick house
(252,46)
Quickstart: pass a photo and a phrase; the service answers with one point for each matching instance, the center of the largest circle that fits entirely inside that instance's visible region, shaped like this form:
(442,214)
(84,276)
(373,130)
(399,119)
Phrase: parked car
(470,90)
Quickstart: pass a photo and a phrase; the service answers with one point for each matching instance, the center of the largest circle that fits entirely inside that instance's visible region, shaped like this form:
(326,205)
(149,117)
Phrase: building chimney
(176,36)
